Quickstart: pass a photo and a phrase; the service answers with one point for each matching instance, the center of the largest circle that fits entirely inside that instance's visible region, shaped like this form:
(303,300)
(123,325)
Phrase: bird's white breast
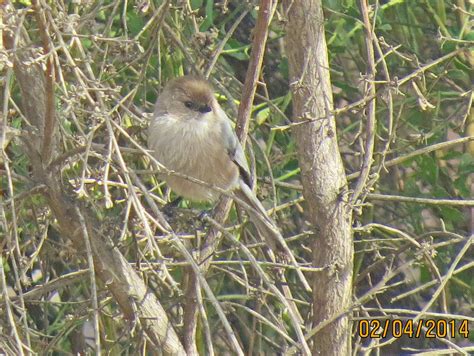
(193,147)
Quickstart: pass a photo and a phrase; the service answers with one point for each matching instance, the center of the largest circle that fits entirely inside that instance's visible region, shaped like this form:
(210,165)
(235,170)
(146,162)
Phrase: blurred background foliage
(113,58)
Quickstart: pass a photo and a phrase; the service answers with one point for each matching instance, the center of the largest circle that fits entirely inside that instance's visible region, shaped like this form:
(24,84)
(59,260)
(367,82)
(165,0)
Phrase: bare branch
(265,14)
(371,107)
(129,290)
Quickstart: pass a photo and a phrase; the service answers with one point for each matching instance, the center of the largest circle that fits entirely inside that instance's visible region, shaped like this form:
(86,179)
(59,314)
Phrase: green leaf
(262,116)
(451,216)
(237,50)
(385,27)
(196,4)
(209,17)
(466,165)
(135,23)
(452,155)
(428,170)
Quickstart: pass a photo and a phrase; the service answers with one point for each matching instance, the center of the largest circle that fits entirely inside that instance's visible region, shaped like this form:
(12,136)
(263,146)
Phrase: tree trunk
(323,178)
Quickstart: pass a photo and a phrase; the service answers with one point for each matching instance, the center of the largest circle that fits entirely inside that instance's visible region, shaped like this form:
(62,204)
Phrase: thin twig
(223,42)
(429,201)
(361,184)
(6,299)
(90,262)
(419,152)
(294,317)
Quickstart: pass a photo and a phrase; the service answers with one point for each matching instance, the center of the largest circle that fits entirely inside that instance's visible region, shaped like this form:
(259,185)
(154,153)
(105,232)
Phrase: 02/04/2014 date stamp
(423,328)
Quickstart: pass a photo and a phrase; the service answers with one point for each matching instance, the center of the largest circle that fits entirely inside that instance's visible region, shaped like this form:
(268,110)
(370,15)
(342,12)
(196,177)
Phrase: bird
(190,134)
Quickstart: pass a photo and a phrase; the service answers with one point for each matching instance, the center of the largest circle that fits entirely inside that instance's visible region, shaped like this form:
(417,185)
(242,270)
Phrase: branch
(50,112)
(128,289)
(361,184)
(419,152)
(429,201)
(265,15)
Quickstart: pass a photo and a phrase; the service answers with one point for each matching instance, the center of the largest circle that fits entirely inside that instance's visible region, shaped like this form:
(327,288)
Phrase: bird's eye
(189,104)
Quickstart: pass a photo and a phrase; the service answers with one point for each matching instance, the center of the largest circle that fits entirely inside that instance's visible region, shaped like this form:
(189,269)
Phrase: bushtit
(191,134)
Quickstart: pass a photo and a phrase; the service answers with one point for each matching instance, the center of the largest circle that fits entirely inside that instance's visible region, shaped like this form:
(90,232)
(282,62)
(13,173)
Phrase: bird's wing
(234,149)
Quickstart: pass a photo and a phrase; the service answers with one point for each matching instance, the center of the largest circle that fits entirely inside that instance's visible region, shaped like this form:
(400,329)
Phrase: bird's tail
(267,228)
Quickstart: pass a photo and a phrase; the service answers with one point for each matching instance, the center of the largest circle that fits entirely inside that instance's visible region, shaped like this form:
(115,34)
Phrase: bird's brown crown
(193,88)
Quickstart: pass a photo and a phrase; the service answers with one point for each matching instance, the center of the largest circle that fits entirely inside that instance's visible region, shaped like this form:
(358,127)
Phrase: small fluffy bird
(190,134)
